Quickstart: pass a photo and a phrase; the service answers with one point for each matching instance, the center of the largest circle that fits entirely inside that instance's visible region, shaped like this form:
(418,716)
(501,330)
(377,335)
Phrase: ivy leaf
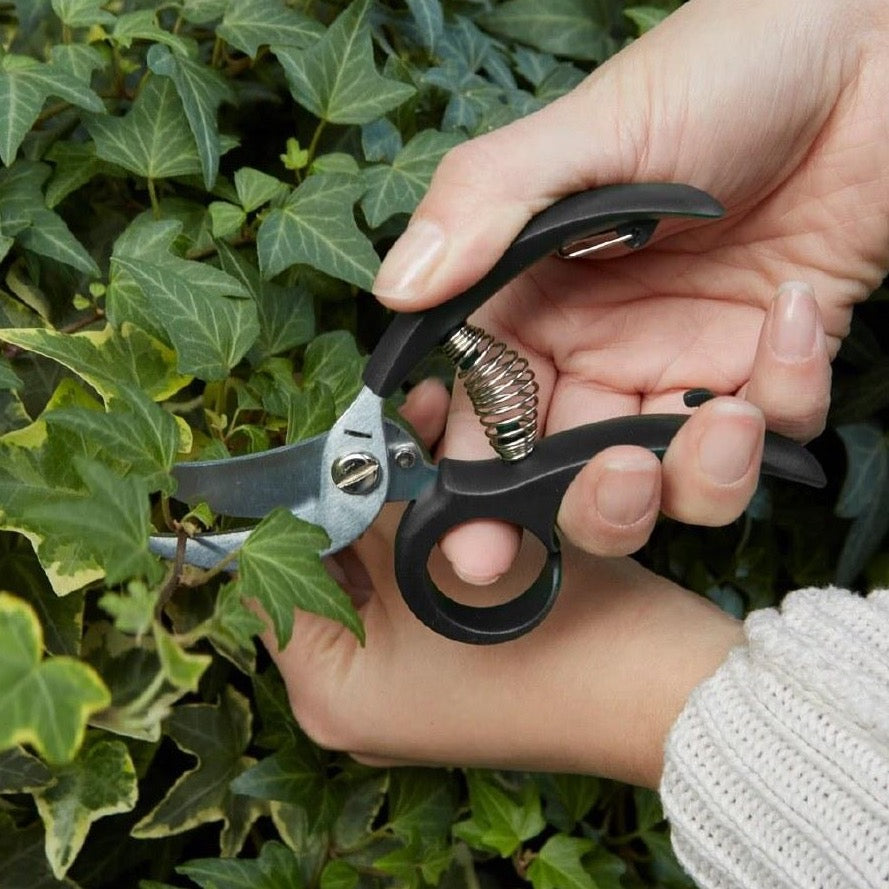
(255,188)
(249,24)
(574,28)
(134,431)
(217,735)
(25,216)
(23,859)
(181,668)
(202,12)
(280,566)
(568,798)
(207,315)
(336,79)
(316,226)
(416,865)
(397,188)
(334,361)
(109,521)
(310,411)
(338,874)
(498,821)
(20,772)
(107,358)
(360,808)
(864,497)
(100,782)
(422,804)
(25,84)
(558,865)
(429,18)
(201,90)
(45,703)
(645,17)
(276,868)
(286,315)
(75,164)
(82,13)
(142,25)
(154,139)
(380,140)
(226,219)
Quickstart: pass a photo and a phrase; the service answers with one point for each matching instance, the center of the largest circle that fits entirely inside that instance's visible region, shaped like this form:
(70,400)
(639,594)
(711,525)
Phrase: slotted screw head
(357,473)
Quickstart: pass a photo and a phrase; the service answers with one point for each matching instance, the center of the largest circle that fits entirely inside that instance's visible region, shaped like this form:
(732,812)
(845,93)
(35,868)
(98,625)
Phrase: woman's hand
(777,109)
(593,689)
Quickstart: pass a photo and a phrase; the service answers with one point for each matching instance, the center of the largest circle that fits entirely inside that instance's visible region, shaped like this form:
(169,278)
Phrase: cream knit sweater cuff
(776,773)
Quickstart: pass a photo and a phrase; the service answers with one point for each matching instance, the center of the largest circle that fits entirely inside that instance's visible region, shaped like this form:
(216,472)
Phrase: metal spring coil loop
(501,387)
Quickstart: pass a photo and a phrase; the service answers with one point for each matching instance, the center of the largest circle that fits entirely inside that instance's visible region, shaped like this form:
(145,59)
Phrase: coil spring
(501,387)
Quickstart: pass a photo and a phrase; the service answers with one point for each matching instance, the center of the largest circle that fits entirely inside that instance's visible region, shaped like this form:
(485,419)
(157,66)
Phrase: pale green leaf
(207,315)
(105,359)
(558,864)
(217,736)
(182,669)
(202,12)
(286,315)
(333,360)
(310,411)
(336,79)
(249,24)
(45,703)
(397,188)
(25,84)
(154,139)
(133,611)
(82,13)
(339,874)
(79,59)
(578,29)
(645,17)
(316,226)
(337,163)
(75,164)
(276,868)
(225,219)
(201,90)
(100,782)
(256,188)
(280,567)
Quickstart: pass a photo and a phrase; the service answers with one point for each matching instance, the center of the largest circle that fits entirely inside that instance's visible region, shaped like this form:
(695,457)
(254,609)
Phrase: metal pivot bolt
(357,473)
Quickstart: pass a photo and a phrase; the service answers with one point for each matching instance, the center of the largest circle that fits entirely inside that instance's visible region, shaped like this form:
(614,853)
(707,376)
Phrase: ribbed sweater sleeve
(776,774)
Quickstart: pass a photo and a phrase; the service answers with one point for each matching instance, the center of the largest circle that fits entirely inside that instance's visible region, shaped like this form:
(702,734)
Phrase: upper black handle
(411,336)
(528,493)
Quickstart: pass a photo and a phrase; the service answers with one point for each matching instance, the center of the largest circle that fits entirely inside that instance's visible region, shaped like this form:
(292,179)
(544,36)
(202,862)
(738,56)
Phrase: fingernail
(625,491)
(476,579)
(410,262)
(794,328)
(726,450)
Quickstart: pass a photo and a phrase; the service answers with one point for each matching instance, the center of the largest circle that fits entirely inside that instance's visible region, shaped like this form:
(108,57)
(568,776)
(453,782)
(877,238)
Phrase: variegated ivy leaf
(201,90)
(154,139)
(316,226)
(25,84)
(25,217)
(45,703)
(23,859)
(206,314)
(280,567)
(336,79)
(397,187)
(249,24)
(100,782)
(20,772)
(104,359)
(82,13)
(217,736)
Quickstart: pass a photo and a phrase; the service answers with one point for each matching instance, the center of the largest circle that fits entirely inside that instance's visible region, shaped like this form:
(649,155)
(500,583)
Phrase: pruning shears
(341,479)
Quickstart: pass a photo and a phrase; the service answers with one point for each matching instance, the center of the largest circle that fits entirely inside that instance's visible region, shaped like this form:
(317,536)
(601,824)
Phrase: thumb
(486,189)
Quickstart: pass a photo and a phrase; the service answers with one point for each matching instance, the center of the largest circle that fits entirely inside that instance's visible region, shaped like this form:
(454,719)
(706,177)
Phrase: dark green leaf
(429,18)
(360,808)
(23,860)
(20,772)
(201,90)
(558,865)
(333,359)
(276,868)
(249,24)
(255,188)
(336,79)
(645,17)
(82,13)
(316,226)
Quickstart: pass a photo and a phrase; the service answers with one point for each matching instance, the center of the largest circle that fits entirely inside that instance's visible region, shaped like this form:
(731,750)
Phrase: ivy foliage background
(194,196)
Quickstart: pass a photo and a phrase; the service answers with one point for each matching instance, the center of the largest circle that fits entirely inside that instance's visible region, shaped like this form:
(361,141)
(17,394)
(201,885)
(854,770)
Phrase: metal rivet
(357,473)
(405,457)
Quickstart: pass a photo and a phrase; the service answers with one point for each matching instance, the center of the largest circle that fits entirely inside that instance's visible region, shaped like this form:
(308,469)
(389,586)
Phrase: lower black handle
(528,493)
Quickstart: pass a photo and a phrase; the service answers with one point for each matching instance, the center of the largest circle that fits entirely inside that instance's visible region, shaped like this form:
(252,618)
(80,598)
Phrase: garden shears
(341,479)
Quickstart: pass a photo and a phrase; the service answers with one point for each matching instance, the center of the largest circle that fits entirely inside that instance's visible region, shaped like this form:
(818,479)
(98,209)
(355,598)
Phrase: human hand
(776,109)
(594,689)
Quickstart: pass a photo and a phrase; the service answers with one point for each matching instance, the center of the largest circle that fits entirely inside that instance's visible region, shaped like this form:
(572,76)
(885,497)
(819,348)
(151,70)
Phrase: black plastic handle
(411,336)
(528,493)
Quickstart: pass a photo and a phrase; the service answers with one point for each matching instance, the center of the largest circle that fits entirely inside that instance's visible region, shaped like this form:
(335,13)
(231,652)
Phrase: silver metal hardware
(405,457)
(356,473)
(595,244)
(501,387)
